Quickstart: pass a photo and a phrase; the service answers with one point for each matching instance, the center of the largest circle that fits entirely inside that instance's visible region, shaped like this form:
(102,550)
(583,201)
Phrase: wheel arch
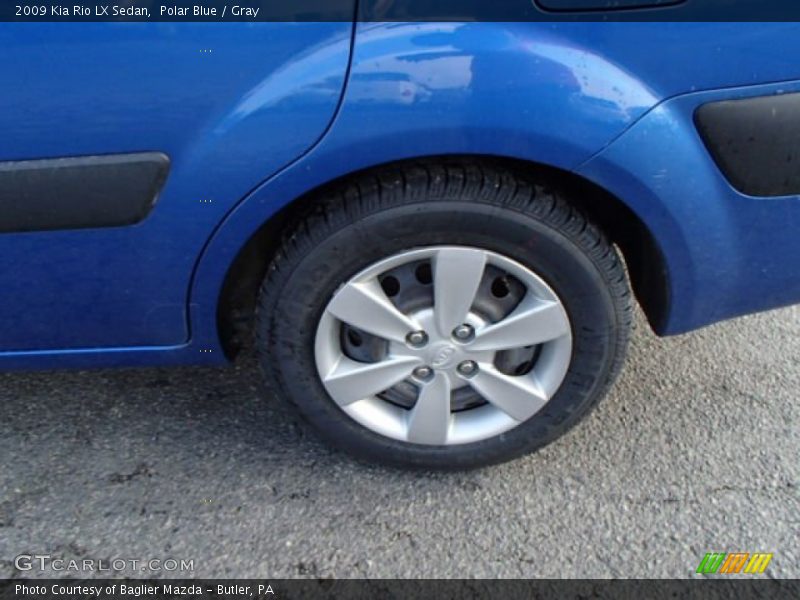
(646,264)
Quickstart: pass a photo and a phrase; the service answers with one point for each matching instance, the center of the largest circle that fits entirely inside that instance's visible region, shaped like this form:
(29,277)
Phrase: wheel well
(645,263)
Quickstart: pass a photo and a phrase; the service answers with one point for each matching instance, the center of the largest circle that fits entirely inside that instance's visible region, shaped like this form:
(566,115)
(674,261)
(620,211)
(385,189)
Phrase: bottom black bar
(347,589)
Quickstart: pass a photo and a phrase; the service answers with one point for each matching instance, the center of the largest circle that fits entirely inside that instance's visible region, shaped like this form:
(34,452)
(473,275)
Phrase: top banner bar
(398,10)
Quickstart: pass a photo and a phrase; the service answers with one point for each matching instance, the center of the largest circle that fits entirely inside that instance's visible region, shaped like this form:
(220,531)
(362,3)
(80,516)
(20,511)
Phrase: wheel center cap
(443,355)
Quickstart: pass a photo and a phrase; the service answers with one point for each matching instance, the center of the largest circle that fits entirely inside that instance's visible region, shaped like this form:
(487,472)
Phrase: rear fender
(516,90)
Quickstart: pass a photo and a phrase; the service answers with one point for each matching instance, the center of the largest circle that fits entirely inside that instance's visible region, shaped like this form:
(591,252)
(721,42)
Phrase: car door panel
(229,105)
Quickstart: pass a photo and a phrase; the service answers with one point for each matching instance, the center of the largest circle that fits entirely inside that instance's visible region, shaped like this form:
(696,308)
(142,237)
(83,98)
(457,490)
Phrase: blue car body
(254,117)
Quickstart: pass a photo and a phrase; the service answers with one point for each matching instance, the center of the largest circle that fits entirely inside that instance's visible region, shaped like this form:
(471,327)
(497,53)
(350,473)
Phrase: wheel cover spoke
(457,273)
(350,381)
(519,397)
(366,306)
(532,323)
(429,420)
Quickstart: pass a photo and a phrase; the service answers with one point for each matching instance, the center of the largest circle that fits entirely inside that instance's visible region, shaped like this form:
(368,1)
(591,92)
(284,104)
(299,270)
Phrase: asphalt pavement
(696,450)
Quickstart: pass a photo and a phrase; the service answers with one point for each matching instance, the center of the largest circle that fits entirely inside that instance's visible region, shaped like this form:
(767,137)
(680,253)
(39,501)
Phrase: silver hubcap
(443,345)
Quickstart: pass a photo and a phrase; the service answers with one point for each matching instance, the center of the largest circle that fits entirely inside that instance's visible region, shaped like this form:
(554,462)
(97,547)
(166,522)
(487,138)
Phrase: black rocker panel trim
(80,192)
(755,142)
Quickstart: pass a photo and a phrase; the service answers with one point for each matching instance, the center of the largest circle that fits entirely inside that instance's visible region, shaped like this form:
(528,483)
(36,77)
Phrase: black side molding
(755,142)
(80,192)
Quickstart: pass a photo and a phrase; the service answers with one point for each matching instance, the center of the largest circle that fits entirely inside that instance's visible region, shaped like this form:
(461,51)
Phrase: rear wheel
(443,315)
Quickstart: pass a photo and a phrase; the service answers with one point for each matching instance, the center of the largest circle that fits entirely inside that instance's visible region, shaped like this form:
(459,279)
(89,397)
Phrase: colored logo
(735,562)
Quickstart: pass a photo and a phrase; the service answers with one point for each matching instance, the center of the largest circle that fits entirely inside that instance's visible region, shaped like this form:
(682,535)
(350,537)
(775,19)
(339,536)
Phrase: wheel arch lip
(266,206)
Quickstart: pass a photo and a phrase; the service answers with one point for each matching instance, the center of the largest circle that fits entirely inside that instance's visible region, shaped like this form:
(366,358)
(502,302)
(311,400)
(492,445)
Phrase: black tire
(430,203)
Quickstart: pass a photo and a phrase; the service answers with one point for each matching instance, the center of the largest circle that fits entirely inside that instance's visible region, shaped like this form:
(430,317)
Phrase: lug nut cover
(417,338)
(463,332)
(423,372)
(468,367)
